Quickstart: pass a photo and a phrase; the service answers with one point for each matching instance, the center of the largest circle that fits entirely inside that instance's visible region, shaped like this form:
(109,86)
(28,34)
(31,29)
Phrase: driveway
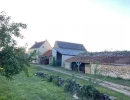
(116,87)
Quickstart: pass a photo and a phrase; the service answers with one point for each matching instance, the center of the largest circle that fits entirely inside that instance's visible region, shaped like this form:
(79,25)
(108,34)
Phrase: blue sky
(98,24)
(122,6)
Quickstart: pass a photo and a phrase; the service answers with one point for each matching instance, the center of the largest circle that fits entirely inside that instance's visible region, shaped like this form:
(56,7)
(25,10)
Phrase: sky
(97,24)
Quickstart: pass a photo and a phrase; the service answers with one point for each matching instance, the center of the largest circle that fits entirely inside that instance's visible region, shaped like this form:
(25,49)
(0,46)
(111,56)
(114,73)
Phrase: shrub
(56,82)
(50,78)
(54,62)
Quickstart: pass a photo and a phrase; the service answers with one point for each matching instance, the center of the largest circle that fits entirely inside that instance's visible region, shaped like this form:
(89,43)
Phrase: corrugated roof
(68,45)
(48,53)
(101,59)
(37,45)
(69,51)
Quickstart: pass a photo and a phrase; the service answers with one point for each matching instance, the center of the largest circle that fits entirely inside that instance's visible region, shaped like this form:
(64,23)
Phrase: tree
(8,30)
(13,59)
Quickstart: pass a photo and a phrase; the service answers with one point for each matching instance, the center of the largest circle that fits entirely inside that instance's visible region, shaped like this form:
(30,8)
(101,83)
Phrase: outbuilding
(64,50)
(115,66)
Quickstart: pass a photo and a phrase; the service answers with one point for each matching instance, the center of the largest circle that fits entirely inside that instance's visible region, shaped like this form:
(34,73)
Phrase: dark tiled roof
(70,52)
(48,53)
(68,45)
(37,45)
(101,59)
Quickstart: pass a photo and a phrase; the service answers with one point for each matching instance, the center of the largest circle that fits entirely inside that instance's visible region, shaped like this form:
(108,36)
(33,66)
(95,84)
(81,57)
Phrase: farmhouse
(115,66)
(64,50)
(40,48)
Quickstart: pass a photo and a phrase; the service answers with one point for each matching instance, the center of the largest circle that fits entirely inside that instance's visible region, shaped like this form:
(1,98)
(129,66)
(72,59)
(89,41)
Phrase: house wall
(31,50)
(122,71)
(54,53)
(64,57)
(45,47)
(50,60)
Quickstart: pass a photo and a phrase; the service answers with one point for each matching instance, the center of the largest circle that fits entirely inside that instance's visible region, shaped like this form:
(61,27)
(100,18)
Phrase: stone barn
(114,66)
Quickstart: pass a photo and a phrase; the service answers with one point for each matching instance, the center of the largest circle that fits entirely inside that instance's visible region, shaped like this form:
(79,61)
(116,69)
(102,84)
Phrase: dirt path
(116,87)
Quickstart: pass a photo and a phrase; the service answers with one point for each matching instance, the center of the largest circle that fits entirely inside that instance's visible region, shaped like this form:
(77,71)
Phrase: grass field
(35,88)
(30,88)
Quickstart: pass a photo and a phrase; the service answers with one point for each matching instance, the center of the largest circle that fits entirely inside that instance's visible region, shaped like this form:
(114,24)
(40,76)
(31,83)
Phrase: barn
(64,50)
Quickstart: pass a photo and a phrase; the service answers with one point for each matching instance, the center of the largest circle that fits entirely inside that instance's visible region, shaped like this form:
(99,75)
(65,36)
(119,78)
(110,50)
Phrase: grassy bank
(36,88)
(30,88)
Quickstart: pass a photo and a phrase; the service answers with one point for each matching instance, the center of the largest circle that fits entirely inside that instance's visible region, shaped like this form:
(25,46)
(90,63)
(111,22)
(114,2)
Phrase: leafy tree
(13,59)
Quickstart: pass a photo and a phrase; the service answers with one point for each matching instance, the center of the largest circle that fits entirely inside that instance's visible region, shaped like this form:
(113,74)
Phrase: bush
(54,62)
(56,82)
(50,78)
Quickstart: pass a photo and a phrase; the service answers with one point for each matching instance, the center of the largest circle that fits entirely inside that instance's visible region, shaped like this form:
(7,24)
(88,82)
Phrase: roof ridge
(69,42)
(37,44)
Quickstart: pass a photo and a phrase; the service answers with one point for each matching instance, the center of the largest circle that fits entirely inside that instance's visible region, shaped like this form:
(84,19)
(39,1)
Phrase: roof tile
(101,59)
(37,45)
(48,53)
(68,45)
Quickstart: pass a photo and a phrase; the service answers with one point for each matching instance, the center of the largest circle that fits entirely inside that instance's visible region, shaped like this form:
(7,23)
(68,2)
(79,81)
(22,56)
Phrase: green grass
(30,88)
(36,88)
(117,80)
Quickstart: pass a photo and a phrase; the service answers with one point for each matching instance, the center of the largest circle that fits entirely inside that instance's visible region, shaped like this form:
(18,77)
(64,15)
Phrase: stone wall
(122,71)
(68,65)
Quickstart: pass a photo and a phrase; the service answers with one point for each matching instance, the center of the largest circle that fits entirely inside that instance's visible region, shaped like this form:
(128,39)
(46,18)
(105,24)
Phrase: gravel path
(116,87)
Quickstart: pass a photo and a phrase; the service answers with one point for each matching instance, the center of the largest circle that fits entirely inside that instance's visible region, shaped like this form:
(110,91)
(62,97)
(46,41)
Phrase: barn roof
(70,52)
(101,59)
(37,44)
(68,45)
(48,53)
